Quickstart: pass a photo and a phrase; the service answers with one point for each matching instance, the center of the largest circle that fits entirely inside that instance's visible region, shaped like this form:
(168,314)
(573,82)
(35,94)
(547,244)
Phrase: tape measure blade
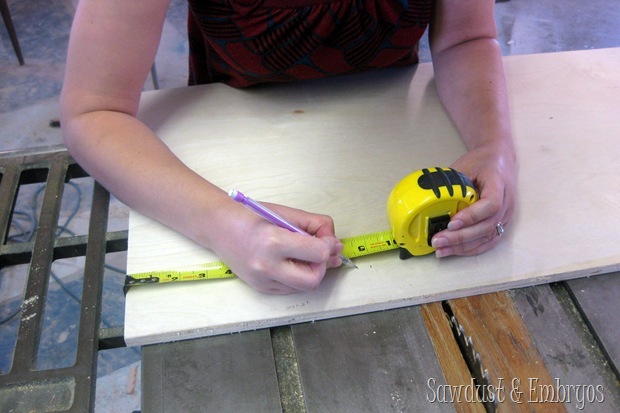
(368,244)
(357,246)
(210,271)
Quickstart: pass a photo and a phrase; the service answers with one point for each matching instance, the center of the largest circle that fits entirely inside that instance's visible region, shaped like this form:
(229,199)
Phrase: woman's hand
(273,259)
(474,229)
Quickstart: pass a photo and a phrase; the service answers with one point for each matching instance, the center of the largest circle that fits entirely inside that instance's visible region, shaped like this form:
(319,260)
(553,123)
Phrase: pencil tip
(347,261)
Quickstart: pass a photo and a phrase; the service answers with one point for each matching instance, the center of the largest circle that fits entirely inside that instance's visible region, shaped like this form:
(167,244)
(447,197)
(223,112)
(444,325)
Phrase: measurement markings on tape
(357,246)
(211,271)
(368,244)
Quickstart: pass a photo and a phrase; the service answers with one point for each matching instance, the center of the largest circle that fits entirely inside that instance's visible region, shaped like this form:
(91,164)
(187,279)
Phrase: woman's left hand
(479,227)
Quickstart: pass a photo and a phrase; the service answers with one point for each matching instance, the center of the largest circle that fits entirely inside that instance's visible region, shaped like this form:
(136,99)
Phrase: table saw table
(549,347)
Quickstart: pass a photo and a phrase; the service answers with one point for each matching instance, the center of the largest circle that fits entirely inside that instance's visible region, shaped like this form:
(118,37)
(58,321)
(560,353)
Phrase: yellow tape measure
(354,247)
(419,206)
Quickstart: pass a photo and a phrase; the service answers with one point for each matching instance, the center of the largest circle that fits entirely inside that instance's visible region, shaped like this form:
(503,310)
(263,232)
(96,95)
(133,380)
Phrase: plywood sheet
(337,146)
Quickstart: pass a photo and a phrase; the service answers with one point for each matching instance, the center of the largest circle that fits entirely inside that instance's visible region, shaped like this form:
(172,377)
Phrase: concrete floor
(29,93)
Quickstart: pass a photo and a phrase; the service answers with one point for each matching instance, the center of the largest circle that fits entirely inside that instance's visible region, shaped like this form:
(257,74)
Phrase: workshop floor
(28,101)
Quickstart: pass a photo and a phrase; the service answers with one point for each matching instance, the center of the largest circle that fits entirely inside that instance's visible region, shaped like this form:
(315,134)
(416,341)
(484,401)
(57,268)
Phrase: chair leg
(8,22)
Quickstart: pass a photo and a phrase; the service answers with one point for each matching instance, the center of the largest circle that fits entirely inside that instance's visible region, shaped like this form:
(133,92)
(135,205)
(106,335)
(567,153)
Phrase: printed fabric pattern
(246,42)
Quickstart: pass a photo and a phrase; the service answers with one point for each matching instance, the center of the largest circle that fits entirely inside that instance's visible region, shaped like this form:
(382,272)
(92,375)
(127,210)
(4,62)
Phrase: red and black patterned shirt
(245,42)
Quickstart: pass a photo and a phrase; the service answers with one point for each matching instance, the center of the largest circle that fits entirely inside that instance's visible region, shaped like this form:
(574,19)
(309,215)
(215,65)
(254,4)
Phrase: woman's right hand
(273,259)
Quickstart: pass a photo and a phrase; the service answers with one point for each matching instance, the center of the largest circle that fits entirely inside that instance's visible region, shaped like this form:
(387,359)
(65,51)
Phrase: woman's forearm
(126,157)
(474,93)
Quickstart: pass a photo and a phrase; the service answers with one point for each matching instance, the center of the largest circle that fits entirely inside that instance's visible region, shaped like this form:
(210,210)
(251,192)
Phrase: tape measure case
(422,204)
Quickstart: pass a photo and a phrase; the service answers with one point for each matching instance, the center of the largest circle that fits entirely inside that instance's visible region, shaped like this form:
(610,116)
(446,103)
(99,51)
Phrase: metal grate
(70,389)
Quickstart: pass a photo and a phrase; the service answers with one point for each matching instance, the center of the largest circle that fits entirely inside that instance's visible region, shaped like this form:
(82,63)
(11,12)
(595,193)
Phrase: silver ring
(499,228)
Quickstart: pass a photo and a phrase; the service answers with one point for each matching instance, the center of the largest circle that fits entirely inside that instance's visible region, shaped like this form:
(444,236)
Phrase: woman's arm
(471,85)
(113,44)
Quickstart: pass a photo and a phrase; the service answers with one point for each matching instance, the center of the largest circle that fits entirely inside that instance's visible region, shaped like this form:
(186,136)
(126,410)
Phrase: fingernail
(454,225)
(439,242)
(444,252)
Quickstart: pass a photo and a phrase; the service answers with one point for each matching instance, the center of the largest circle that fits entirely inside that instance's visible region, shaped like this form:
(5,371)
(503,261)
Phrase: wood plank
(378,362)
(599,301)
(216,374)
(452,363)
(567,347)
(339,122)
(507,352)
